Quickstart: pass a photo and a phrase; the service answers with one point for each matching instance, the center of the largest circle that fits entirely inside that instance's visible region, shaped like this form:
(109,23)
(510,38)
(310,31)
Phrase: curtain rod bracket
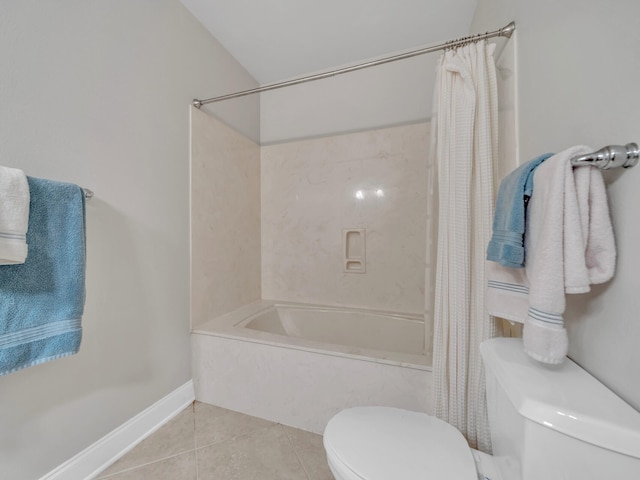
(508,30)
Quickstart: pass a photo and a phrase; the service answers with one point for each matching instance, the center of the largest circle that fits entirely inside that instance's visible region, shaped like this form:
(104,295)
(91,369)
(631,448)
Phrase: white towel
(507,293)
(14,216)
(569,246)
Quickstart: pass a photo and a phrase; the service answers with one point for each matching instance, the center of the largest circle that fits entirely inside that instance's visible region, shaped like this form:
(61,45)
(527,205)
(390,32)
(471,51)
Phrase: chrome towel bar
(611,156)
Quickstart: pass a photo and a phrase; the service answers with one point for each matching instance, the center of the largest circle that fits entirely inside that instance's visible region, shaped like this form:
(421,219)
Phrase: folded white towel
(14,216)
(569,245)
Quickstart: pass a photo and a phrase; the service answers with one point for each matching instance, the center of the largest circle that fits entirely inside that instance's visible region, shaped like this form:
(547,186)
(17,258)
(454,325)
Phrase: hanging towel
(507,292)
(569,245)
(42,300)
(507,243)
(14,215)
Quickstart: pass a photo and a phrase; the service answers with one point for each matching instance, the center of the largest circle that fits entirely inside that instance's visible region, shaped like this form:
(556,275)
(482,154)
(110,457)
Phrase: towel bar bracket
(611,156)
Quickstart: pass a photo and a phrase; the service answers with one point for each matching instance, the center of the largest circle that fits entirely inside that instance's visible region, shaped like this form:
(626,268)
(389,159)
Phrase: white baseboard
(97,457)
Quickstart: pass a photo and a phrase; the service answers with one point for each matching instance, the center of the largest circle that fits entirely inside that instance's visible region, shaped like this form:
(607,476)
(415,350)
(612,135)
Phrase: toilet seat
(383,443)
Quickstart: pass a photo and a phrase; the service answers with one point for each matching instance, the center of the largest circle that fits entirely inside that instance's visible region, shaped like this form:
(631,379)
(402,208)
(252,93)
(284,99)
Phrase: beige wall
(98,93)
(578,68)
(225,218)
(310,194)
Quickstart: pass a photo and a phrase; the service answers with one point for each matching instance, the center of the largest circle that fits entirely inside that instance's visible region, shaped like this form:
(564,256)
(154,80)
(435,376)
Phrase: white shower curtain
(465,146)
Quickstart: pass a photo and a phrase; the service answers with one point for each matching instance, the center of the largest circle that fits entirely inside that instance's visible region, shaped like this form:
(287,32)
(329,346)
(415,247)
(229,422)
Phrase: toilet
(548,423)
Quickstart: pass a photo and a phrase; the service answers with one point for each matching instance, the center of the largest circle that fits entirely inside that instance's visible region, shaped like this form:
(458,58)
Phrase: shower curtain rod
(506,31)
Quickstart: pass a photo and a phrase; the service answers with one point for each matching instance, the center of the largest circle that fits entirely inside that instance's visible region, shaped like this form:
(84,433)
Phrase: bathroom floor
(205,442)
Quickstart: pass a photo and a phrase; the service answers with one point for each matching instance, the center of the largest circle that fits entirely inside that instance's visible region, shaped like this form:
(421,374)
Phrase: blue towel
(509,220)
(42,300)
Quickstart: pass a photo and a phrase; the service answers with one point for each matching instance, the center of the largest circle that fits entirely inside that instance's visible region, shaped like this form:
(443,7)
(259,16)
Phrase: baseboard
(88,464)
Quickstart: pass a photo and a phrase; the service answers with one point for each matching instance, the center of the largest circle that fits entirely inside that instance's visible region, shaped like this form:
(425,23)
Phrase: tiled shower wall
(225,218)
(313,189)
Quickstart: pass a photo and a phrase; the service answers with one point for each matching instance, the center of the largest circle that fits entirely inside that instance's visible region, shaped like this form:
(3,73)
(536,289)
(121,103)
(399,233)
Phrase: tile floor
(204,442)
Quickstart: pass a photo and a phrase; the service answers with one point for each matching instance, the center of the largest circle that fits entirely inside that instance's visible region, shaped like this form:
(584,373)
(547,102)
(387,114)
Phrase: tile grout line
(295,451)
(195,440)
(196,446)
(234,437)
(115,474)
(237,437)
(221,442)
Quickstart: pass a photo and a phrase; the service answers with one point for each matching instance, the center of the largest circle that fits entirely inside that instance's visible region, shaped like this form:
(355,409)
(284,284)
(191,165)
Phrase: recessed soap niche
(353,250)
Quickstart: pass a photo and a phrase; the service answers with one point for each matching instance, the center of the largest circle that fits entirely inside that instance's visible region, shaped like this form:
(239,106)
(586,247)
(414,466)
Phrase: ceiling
(281,39)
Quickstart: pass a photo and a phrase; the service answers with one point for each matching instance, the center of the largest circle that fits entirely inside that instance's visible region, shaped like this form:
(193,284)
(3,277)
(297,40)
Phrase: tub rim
(231,325)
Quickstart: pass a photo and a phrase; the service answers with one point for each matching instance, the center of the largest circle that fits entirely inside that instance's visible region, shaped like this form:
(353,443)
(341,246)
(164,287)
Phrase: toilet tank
(556,422)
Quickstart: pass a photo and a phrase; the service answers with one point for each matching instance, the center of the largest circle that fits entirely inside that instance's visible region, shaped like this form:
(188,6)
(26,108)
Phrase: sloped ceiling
(281,39)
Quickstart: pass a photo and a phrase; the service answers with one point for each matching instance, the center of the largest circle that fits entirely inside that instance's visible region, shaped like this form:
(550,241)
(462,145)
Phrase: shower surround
(225,218)
(267,223)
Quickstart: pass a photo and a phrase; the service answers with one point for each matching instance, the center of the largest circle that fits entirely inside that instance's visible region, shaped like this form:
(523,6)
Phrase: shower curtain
(464,144)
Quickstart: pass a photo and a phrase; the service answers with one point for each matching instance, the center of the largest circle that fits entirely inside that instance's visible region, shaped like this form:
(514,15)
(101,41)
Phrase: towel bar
(87,193)
(611,156)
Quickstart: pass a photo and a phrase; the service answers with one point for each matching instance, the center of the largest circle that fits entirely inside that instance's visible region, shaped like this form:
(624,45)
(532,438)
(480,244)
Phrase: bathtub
(299,364)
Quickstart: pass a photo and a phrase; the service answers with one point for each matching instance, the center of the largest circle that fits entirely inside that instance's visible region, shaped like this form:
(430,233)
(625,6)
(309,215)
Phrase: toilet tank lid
(563,397)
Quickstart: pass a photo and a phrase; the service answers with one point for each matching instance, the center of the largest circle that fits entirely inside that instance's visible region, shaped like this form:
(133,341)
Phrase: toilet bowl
(546,423)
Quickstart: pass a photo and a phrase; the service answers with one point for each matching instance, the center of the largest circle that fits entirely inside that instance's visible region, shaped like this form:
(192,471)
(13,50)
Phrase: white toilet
(546,424)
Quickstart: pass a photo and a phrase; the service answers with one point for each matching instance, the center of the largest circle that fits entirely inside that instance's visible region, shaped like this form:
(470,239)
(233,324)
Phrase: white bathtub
(300,364)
